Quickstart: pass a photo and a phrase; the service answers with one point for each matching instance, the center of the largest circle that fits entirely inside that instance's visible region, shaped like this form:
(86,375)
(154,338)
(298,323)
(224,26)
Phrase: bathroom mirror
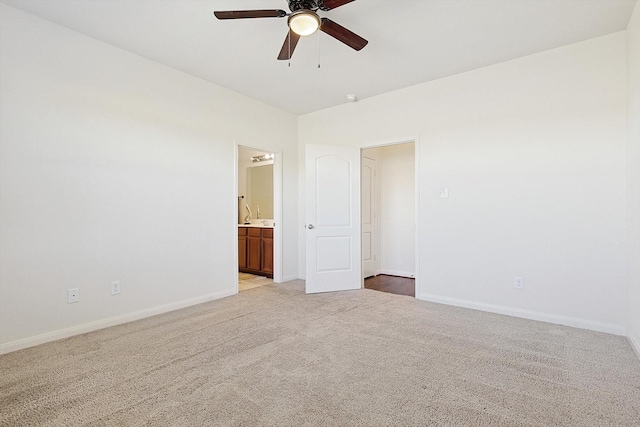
(260,190)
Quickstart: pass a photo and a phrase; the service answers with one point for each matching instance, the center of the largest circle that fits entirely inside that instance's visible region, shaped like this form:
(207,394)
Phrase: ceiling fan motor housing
(295,5)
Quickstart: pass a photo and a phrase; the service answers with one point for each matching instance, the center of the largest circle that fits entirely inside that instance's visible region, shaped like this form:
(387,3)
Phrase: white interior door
(368,217)
(333,260)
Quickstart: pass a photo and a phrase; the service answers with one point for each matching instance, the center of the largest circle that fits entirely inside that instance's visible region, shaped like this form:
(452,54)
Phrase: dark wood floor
(391,284)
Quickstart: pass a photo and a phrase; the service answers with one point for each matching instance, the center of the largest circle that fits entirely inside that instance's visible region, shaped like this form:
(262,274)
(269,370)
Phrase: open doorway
(388,198)
(256,220)
(333,223)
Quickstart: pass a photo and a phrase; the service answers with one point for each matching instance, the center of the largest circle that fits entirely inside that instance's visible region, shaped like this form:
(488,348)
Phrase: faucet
(247,219)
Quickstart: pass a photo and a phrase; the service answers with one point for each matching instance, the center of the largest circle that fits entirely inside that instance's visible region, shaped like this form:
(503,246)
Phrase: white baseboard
(111,321)
(397,273)
(289,278)
(635,345)
(527,314)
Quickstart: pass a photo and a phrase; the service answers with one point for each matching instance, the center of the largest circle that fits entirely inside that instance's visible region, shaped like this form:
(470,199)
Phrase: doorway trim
(373,208)
(277,210)
(416,147)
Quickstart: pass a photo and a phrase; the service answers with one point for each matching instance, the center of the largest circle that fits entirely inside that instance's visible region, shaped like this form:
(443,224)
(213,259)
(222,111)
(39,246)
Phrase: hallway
(391,284)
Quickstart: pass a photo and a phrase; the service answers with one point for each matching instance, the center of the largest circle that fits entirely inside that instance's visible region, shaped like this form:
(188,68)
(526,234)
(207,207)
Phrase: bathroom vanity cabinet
(255,250)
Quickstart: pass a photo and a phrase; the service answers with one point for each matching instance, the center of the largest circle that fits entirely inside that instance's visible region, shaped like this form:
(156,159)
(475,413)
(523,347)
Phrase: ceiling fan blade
(340,33)
(332,4)
(242,14)
(289,45)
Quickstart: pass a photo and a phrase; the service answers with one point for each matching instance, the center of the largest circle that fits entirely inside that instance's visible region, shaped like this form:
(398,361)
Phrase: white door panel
(333,192)
(333,253)
(368,217)
(333,218)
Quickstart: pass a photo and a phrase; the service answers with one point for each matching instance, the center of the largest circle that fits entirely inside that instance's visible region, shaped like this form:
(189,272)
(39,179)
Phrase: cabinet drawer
(242,231)
(253,231)
(267,232)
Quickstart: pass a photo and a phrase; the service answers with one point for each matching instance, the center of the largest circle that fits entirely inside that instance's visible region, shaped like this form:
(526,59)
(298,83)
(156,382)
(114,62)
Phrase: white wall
(533,153)
(633,176)
(113,167)
(395,220)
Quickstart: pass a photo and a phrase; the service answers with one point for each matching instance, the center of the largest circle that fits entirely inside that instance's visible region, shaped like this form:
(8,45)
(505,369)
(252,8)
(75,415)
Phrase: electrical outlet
(115,288)
(73,295)
(518,282)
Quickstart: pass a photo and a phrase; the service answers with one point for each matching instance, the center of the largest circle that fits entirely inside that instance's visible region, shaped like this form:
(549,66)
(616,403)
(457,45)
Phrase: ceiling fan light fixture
(304,22)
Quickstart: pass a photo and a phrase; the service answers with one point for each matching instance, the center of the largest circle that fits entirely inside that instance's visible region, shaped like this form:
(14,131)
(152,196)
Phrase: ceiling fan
(302,21)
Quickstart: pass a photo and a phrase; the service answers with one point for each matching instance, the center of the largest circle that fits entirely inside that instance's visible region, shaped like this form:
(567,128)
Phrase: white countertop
(255,225)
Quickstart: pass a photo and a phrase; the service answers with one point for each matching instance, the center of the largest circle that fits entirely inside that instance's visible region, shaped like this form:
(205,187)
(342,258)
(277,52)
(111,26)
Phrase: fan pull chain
(318,48)
(289,43)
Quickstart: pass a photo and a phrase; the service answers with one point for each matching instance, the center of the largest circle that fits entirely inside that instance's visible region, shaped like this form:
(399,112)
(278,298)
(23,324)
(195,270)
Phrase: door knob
(310,226)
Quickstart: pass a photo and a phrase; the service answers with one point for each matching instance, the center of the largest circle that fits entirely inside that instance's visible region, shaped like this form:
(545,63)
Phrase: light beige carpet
(275,356)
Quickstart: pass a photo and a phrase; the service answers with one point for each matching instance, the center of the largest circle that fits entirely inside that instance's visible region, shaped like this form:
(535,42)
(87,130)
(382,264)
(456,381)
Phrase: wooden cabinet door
(242,251)
(267,251)
(267,256)
(253,253)
(242,247)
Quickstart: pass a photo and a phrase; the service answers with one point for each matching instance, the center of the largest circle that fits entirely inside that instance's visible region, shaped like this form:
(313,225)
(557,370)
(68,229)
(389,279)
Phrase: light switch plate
(518,282)
(115,287)
(73,295)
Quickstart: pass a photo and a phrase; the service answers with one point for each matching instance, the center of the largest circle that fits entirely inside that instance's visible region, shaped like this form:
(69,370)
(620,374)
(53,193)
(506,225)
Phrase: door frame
(416,152)
(277,211)
(374,213)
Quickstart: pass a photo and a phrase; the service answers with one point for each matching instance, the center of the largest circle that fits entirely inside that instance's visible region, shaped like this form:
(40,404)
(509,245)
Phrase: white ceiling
(410,41)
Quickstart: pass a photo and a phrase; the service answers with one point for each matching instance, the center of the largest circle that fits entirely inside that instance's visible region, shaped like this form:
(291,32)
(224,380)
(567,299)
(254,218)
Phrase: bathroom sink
(262,222)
